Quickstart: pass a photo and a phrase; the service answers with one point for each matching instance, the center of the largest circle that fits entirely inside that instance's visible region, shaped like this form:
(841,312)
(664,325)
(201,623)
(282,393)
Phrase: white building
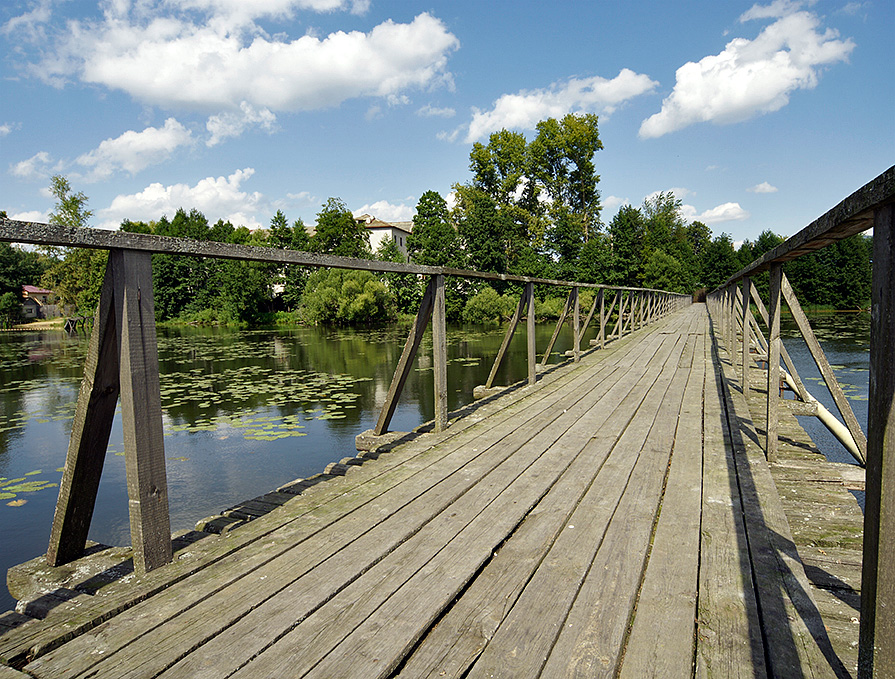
(380,230)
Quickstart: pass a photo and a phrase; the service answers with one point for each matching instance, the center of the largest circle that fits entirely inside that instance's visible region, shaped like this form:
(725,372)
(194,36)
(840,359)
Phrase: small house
(38,303)
(380,230)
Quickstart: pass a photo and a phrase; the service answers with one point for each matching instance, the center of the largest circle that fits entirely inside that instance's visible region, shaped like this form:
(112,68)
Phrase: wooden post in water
(774,361)
(439,355)
(123,342)
(876,652)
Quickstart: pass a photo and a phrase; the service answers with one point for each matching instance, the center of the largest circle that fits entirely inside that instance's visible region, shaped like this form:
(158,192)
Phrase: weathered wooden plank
(746,328)
(877,650)
(530,335)
(405,363)
(461,635)
(797,642)
(590,639)
(661,638)
(774,342)
(728,640)
(386,626)
(92,424)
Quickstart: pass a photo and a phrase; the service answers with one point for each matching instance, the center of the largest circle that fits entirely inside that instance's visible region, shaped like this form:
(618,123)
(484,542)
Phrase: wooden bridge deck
(608,521)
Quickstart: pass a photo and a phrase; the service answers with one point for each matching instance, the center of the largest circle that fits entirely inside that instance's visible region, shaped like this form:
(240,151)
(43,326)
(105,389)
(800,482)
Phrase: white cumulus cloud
(764,187)
(167,60)
(388,212)
(216,197)
(134,151)
(524,109)
(726,212)
(233,124)
(39,166)
(751,77)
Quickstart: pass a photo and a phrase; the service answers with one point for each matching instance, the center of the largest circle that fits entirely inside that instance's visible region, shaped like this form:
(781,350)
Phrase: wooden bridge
(614,516)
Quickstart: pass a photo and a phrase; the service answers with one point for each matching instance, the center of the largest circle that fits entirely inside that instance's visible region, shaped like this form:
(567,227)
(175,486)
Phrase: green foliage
(70,208)
(626,232)
(719,261)
(293,277)
(340,297)
(338,233)
(483,228)
(434,240)
(663,272)
(10,309)
(405,288)
(19,267)
(487,307)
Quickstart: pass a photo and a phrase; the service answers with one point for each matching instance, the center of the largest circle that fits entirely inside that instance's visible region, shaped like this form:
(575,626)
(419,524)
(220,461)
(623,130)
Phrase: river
(246,411)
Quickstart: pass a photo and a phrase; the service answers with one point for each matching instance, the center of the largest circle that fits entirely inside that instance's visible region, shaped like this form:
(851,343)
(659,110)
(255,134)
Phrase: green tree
(19,267)
(295,237)
(720,261)
(404,287)
(76,274)
(434,241)
(483,228)
(340,297)
(664,272)
(626,231)
(10,309)
(339,233)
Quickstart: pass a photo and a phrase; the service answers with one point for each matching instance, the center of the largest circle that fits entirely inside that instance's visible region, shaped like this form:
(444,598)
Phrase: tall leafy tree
(434,241)
(627,230)
(75,275)
(295,237)
(338,233)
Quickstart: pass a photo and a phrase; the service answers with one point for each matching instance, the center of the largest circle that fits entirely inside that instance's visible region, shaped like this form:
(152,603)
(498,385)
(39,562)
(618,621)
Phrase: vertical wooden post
(774,361)
(876,651)
(530,330)
(747,328)
(602,319)
(89,435)
(122,360)
(141,410)
(439,355)
(576,327)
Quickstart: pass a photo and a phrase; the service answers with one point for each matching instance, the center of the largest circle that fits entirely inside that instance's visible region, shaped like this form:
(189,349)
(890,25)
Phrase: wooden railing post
(602,319)
(876,650)
(774,361)
(123,341)
(576,327)
(530,335)
(439,355)
(747,327)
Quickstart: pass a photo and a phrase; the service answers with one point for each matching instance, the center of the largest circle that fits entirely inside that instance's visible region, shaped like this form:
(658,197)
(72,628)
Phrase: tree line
(530,208)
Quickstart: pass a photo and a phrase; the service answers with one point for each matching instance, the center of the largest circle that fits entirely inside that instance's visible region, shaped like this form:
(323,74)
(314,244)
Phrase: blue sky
(758,116)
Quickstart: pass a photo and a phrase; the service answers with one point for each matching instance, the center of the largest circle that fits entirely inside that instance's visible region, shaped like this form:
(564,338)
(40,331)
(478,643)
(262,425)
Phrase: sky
(756,116)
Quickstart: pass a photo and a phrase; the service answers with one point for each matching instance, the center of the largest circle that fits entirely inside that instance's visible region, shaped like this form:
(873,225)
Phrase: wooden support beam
(408,356)
(876,650)
(508,336)
(89,439)
(141,410)
(590,314)
(530,335)
(787,361)
(562,319)
(817,353)
(774,363)
(602,336)
(439,355)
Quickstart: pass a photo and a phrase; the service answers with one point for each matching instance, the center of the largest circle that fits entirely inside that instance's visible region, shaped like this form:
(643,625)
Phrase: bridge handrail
(38,233)
(871,206)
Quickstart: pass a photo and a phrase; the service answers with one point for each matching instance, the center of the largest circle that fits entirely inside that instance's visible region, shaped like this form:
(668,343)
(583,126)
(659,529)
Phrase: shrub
(340,297)
(487,307)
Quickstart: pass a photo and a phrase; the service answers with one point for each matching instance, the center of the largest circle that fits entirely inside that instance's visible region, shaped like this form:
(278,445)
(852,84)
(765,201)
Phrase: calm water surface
(244,412)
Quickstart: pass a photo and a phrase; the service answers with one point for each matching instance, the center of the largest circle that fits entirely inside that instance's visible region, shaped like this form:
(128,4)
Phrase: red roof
(34,290)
